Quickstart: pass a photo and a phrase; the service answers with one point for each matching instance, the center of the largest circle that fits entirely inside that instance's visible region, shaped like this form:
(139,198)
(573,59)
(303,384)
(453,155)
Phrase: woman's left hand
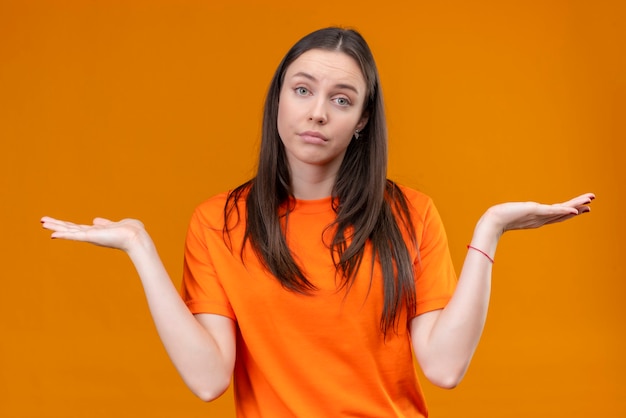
(527,215)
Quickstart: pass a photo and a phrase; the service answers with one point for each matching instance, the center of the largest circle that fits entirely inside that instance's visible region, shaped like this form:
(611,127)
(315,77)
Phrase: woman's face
(320,106)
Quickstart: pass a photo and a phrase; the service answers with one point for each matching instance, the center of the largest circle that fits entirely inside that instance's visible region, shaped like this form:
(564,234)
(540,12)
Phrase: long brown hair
(369,207)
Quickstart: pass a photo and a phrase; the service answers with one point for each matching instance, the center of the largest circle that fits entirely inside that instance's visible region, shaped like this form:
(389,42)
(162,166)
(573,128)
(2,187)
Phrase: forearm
(204,366)
(445,352)
(445,340)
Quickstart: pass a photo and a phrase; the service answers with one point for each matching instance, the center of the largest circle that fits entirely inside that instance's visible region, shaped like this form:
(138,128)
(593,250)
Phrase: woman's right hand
(105,233)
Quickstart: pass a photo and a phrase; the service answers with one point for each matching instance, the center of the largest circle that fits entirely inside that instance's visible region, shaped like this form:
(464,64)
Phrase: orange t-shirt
(323,354)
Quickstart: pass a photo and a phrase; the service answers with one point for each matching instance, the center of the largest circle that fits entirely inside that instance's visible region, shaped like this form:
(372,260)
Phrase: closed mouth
(313,134)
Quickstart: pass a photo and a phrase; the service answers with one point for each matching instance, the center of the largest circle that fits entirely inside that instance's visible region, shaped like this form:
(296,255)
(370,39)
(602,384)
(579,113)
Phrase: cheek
(281,121)
(285,116)
(348,127)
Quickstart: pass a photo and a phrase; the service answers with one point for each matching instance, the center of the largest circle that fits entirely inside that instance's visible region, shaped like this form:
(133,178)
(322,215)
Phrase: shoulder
(212,212)
(418,203)
(426,220)
(416,198)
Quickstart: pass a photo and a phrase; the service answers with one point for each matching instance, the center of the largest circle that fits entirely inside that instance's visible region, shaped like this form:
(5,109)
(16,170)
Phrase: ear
(363,121)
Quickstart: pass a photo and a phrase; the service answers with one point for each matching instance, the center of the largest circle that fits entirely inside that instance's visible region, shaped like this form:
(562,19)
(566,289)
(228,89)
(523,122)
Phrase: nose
(318,113)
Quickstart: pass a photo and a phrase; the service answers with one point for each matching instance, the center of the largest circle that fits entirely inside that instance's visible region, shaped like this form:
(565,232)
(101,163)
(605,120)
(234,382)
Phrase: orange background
(144,109)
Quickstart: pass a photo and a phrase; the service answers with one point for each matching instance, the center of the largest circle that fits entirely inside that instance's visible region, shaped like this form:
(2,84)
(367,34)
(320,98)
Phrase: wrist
(489,225)
(487,233)
(139,243)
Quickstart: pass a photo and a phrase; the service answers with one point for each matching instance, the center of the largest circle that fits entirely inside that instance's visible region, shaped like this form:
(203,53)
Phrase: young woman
(314,283)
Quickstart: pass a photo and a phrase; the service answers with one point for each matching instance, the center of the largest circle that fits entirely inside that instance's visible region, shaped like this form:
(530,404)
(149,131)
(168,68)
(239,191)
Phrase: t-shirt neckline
(313,205)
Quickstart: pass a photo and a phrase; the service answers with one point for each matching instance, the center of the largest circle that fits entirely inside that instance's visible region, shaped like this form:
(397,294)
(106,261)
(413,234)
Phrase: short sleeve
(201,289)
(435,277)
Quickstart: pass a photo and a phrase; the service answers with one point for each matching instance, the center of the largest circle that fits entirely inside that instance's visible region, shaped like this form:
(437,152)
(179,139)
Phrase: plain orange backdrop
(145,108)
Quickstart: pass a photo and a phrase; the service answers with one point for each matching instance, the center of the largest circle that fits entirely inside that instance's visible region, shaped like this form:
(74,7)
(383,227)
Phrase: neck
(311,182)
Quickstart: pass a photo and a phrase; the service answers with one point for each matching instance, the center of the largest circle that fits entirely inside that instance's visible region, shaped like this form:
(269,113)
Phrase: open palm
(527,215)
(103,232)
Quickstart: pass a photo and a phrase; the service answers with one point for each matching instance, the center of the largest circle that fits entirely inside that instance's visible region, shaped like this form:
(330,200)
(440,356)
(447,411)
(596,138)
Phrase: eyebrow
(340,85)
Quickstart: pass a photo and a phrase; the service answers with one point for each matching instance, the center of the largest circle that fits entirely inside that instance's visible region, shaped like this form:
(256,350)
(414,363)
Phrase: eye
(301,91)
(342,101)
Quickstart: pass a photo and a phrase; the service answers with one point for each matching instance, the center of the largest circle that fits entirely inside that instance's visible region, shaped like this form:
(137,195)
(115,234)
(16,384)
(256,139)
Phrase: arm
(444,340)
(202,347)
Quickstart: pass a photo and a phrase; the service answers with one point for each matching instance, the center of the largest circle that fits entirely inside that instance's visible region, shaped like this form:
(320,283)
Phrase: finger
(69,235)
(559,209)
(52,221)
(579,211)
(574,209)
(583,199)
(55,224)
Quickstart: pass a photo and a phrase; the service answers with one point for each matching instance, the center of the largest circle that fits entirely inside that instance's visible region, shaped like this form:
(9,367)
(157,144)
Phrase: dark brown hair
(370,208)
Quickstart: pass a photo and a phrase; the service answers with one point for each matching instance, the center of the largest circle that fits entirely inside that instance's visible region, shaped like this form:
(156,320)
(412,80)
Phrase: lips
(313,136)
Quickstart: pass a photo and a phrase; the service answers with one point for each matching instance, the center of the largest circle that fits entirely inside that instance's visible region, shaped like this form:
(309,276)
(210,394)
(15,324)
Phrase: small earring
(357,134)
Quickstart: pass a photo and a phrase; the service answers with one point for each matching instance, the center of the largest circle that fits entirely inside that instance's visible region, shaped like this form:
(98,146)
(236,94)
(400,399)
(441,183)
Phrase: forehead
(324,65)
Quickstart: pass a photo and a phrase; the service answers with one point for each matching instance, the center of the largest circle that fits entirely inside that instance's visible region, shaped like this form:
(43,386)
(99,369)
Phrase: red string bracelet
(469,247)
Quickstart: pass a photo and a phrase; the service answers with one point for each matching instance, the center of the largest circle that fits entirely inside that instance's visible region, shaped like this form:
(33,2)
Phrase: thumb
(101,221)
